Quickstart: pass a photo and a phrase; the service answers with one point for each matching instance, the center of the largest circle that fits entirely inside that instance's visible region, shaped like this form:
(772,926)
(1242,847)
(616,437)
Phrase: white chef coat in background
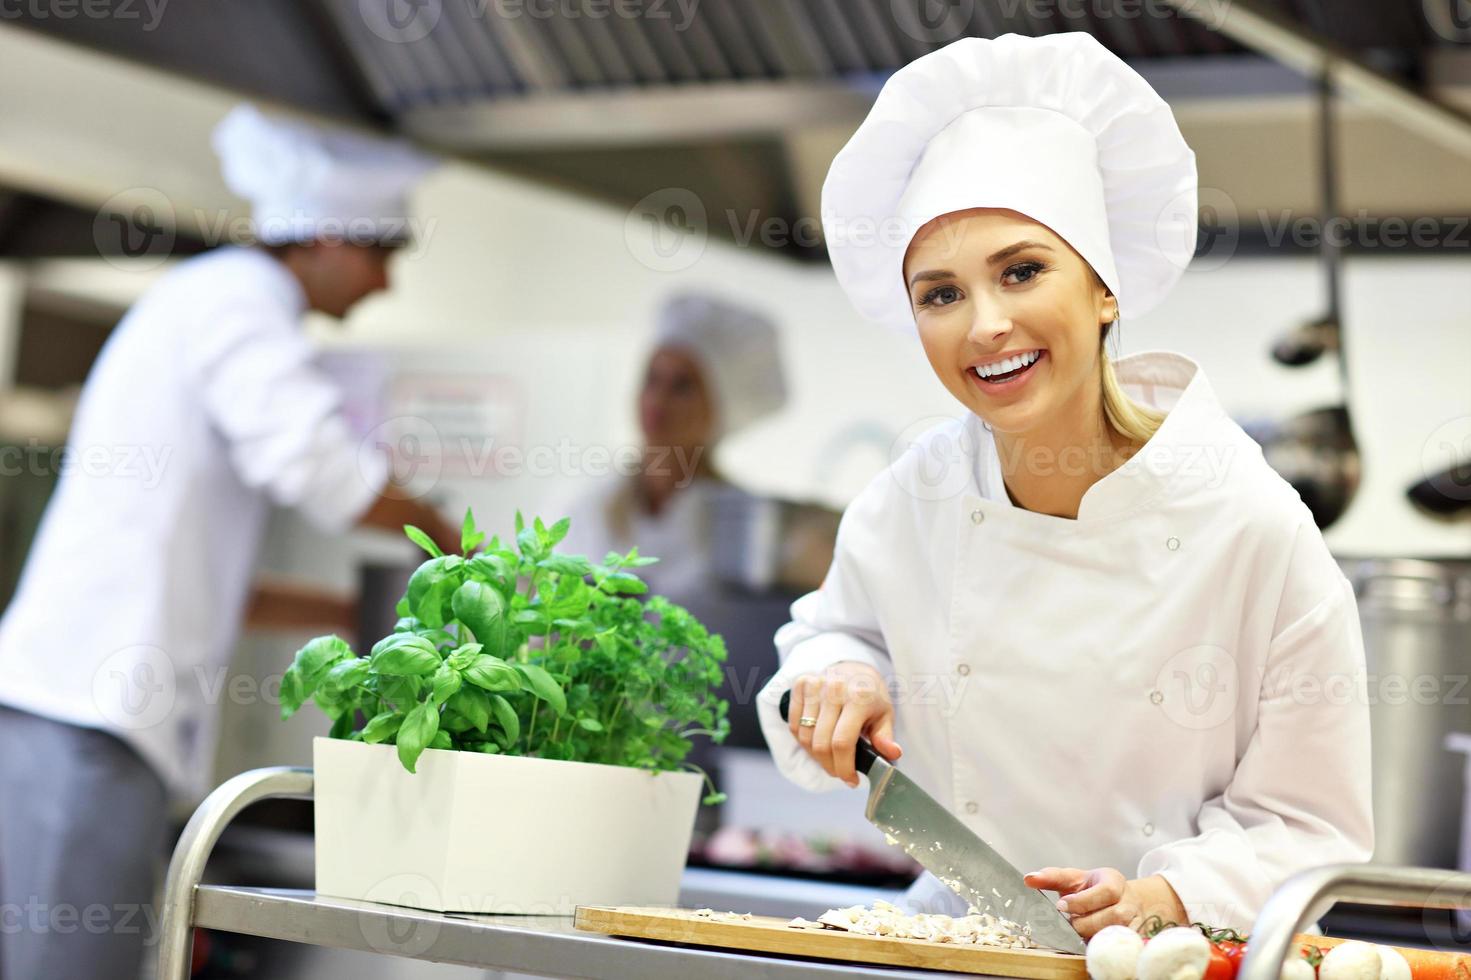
(203,408)
(1173,683)
(607,517)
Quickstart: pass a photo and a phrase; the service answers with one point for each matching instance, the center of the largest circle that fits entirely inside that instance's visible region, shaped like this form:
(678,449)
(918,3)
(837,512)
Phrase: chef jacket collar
(1185,451)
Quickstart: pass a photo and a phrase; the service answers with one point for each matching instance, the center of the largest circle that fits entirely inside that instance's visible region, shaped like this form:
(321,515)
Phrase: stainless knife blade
(967,865)
(949,850)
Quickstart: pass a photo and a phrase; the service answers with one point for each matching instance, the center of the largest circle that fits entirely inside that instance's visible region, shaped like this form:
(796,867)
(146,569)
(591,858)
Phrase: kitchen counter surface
(547,945)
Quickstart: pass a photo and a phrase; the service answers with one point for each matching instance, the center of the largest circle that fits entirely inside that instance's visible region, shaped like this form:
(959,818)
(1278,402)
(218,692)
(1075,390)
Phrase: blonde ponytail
(1130,419)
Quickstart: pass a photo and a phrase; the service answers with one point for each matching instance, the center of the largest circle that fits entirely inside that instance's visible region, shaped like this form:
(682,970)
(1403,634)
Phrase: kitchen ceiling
(742,102)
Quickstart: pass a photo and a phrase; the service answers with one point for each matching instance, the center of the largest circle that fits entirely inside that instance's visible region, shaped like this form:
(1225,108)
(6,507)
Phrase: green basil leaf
(481,607)
(506,718)
(414,735)
(431,586)
(540,683)
(574,565)
(342,726)
(423,540)
(621,583)
(591,724)
(441,740)
(472,704)
(489,748)
(447,681)
(308,668)
(470,538)
(382,728)
(492,674)
(493,569)
(559,531)
(408,659)
(402,691)
(570,598)
(346,674)
(528,543)
(465,655)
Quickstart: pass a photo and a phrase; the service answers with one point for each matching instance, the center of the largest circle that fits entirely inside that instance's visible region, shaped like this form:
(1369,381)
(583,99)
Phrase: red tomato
(1225,960)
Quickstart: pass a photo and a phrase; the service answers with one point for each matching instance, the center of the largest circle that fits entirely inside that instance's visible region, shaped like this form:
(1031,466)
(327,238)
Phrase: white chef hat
(738,349)
(1056,127)
(304,183)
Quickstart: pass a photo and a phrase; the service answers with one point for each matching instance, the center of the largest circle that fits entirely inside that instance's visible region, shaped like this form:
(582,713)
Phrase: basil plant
(524,651)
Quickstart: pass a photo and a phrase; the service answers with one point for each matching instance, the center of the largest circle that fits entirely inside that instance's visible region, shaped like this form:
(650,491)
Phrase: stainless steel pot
(1416,617)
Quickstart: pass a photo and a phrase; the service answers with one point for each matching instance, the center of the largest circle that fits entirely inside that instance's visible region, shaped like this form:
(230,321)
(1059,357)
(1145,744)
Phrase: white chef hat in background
(305,182)
(737,348)
(1056,127)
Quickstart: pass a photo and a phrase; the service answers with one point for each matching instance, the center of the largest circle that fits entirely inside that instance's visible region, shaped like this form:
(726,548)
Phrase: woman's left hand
(1104,897)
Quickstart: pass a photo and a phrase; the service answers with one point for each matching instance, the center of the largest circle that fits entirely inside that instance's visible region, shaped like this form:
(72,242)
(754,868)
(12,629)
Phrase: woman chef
(714,369)
(1119,649)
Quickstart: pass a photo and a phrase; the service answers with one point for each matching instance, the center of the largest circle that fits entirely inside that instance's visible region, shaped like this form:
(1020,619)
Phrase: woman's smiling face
(988,285)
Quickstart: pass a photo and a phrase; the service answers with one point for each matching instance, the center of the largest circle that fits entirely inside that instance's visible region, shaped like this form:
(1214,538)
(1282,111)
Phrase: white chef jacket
(1173,683)
(203,408)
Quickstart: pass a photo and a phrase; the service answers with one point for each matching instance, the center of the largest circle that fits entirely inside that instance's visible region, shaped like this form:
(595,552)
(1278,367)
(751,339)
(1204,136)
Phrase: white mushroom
(1296,968)
(1113,953)
(1181,953)
(1351,961)
(1392,964)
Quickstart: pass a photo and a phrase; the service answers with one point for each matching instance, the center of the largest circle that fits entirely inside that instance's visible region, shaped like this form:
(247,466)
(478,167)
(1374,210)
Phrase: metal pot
(1416,618)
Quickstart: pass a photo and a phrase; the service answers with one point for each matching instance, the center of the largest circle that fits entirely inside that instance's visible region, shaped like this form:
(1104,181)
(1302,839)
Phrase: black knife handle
(863,753)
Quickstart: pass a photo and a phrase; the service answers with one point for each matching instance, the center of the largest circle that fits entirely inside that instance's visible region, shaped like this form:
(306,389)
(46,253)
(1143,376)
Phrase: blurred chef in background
(714,369)
(132,594)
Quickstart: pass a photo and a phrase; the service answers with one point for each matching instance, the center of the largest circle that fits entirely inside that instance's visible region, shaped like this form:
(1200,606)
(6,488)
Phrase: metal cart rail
(552,945)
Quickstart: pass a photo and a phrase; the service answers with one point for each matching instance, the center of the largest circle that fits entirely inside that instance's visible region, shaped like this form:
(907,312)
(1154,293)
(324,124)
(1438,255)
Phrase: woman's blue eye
(929,298)
(1031,267)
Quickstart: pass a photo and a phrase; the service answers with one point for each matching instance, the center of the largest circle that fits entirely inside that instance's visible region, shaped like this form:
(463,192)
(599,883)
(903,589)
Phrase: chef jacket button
(1173,543)
(1148,830)
(972,807)
(963,670)
(1157,696)
(977,516)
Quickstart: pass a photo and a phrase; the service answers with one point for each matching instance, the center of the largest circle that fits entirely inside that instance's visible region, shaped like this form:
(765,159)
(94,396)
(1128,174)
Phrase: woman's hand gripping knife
(848,700)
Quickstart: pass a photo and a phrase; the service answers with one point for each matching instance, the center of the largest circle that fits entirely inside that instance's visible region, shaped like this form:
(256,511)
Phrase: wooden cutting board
(770,935)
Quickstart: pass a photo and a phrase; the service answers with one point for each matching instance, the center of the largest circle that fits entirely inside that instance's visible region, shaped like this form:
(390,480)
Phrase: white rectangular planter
(497,834)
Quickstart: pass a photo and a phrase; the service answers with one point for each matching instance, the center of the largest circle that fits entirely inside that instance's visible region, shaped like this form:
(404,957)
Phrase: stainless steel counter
(546,945)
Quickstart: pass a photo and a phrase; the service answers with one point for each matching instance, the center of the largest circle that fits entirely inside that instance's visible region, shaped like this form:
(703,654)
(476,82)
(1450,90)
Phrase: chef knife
(968,866)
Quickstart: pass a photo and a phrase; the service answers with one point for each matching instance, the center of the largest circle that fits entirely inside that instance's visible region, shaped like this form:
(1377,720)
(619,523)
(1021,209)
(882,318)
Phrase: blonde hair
(1130,419)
